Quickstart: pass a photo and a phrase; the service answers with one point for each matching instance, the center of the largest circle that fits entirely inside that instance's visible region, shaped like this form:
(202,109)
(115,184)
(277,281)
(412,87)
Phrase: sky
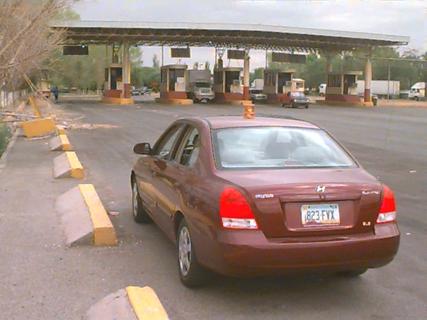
(407,18)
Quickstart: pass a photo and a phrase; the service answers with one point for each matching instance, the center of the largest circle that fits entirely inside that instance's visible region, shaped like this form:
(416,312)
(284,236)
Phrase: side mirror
(142,148)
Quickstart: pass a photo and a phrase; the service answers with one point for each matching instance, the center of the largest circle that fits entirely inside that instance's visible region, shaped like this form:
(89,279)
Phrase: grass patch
(4,137)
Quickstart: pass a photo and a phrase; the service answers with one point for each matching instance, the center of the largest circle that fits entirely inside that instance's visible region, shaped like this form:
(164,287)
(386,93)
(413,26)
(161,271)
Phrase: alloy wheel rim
(184,251)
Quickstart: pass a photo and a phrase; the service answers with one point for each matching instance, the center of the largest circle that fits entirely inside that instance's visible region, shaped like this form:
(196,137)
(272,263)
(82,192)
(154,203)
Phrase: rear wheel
(139,214)
(191,272)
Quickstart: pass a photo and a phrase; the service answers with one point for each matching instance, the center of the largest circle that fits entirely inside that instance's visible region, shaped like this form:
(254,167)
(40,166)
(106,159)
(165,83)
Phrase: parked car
(257,95)
(295,100)
(262,196)
(135,92)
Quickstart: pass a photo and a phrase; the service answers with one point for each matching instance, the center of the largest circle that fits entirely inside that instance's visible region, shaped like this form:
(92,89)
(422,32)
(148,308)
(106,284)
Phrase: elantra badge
(320,189)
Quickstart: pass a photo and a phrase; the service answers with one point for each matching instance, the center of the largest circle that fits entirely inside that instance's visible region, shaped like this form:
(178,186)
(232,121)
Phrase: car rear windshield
(277,147)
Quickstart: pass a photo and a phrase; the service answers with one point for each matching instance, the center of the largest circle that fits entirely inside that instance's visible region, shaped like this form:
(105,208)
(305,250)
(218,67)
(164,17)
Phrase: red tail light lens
(388,207)
(234,211)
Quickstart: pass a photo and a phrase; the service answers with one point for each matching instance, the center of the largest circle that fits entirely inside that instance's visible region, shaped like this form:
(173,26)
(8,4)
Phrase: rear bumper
(246,253)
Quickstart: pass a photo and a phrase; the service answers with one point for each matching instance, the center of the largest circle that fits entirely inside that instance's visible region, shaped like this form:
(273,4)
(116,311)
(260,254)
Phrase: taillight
(234,211)
(388,207)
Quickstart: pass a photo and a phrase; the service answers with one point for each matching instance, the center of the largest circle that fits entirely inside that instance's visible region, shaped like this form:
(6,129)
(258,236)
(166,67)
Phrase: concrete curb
(84,218)
(131,303)
(38,127)
(67,165)
(60,143)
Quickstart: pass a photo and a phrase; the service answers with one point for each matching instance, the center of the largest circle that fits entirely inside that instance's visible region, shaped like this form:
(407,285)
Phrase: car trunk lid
(281,198)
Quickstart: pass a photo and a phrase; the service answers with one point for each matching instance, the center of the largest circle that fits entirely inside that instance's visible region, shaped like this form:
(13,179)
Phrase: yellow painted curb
(34,106)
(66,145)
(38,127)
(60,130)
(60,143)
(146,304)
(181,102)
(76,167)
(121,101)
(103,230)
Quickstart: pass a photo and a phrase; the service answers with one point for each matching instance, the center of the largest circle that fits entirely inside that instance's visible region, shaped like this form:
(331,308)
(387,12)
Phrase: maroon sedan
(262,196)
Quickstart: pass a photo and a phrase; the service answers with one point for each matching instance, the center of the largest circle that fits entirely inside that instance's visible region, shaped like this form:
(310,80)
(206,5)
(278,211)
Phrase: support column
(368,79)
(246,95)
(126,71)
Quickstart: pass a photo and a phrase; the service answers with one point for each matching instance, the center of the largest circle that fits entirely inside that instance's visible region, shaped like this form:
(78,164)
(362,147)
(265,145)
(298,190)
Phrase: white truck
(199,85)
(418,91)
(381,88)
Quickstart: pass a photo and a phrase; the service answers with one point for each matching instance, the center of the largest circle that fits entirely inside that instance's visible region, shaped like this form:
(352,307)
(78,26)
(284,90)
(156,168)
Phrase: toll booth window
(334,80)
(270,79)
(163,75)
(218,77)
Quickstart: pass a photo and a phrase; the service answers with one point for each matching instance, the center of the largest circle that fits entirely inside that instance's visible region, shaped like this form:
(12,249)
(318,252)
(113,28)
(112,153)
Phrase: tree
(25,37)
(156,63)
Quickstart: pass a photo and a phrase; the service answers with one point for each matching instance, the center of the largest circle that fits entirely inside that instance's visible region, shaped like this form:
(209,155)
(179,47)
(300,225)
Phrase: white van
(418,91)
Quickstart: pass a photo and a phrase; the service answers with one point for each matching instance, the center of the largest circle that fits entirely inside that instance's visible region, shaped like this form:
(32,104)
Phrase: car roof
(221,122)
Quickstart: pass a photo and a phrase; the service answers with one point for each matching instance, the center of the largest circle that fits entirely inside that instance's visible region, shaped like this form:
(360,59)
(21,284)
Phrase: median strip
(84,218)
(131,303)
(67,165)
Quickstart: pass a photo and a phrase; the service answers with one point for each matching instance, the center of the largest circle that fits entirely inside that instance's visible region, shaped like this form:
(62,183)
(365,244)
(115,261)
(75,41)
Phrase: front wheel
(139,214)
(191,272)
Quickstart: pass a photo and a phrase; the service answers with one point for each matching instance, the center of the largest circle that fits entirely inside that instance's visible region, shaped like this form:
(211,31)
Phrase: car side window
(165,146)
(190,148)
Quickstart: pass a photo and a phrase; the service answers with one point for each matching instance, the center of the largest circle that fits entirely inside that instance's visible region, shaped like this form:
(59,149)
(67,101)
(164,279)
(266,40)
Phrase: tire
(190,271)
(139,214)
(353,273)
(306,106)
(294,105)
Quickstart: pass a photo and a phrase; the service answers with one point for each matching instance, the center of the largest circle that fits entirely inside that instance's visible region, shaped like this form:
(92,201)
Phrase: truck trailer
(381,88)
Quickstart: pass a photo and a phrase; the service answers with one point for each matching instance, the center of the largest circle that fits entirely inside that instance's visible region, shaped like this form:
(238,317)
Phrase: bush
(4,137)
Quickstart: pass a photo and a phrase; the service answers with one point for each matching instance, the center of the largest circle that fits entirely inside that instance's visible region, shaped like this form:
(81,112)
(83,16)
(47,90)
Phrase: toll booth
(173,84)
(342,87)
(278,83)
(228,85)
(113,85)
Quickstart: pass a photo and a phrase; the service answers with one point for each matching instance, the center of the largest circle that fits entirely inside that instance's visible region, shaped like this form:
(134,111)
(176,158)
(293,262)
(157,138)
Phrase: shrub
(4,137)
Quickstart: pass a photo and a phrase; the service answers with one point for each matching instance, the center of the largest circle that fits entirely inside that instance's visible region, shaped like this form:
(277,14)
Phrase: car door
(148,168)
(165,179)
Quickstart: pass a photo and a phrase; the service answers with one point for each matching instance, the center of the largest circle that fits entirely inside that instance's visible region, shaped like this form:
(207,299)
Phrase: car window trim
(180,148)
(167,134)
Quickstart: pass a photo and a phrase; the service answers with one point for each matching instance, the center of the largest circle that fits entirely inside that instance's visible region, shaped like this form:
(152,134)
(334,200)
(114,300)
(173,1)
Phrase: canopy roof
(228,35)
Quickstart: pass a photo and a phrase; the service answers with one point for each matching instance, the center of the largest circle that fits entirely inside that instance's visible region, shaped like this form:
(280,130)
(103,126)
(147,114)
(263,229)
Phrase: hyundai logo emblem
(320,189)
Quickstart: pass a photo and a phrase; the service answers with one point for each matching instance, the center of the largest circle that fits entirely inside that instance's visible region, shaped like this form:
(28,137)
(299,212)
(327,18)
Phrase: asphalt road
(58,283)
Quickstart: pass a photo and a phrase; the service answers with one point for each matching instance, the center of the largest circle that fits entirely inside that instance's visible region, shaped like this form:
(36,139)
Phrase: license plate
(320,214)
